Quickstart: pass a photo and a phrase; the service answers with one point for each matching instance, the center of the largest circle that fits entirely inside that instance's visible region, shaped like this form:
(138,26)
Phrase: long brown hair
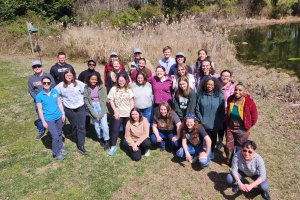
(186,74)
(194,135)
(211,70)
(164,122)
(180,92)
(140,115)
(65,85)
(126,86)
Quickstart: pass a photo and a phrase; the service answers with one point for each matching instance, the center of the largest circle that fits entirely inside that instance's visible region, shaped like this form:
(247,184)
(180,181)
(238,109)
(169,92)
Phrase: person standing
(210,109)
(167,61)
(91,70)
(142,68)
(71,91)
(34,87)
(109,67)
(111,77)
(57,70)
(134,65)
(180,60)
(248,163)
(52,115)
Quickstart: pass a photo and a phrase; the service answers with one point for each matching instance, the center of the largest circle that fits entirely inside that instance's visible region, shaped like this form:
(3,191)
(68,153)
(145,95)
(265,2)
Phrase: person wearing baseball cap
(134,64)
(180,59)
(34,87)
(109,66)
(91,70)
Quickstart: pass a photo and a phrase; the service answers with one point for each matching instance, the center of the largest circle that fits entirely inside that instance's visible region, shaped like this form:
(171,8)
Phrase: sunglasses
(91,64)
(46,83)
(36,66)
(247,151)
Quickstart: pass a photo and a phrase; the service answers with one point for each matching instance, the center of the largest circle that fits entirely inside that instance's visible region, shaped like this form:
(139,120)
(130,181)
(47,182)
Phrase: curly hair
(164,122)
(217,86)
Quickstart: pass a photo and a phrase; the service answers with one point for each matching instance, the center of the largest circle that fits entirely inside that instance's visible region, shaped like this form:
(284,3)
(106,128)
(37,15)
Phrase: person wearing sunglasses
(52,115)
(248,163)
(91,70)
(34,87)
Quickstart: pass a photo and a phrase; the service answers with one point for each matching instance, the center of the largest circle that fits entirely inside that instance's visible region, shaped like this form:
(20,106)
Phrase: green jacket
(185,105)
(89,103)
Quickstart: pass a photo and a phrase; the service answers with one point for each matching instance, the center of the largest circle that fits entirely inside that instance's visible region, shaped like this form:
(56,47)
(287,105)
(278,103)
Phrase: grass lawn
(28,171)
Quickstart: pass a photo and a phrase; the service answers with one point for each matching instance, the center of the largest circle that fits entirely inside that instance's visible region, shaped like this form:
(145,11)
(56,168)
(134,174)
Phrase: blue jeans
(264,186)
(39,125)
(193,150)
(55,129)
(165,136)
(100,124)
(147,112)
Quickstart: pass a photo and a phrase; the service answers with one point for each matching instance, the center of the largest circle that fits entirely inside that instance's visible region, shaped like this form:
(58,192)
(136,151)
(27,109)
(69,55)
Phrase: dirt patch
(51,166)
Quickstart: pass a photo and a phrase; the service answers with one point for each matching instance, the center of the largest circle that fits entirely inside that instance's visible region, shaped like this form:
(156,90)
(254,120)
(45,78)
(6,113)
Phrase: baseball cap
(36,62)
(94,61)
(114,53)
(180,54)
(137,50)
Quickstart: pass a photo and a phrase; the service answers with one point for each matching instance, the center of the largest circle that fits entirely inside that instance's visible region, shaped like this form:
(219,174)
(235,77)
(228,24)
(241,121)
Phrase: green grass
(28,171)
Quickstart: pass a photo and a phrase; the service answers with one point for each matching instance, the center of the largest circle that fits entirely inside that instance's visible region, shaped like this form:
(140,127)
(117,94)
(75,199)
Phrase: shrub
(126,19)
(152,13)
(100,16)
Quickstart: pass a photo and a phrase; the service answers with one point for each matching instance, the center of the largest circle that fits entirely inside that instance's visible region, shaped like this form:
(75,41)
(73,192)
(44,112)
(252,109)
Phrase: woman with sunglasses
(248,163)
(241,116)
(195,141)
(52,115)
(71,91)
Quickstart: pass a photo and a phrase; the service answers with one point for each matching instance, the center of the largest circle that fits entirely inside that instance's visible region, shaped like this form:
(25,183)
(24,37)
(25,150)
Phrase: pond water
(275,46)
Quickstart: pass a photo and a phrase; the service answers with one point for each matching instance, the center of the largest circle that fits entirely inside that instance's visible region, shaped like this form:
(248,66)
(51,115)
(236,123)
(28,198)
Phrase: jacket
(250,114)
(89,103)
(190,104)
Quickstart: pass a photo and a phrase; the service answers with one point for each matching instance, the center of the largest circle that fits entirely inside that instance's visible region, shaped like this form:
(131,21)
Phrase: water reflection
(270,46)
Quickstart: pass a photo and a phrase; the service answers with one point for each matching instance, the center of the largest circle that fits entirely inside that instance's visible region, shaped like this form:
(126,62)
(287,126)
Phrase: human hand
(63,118)
(248,187)
(135,148)
(117,115)
(174,139)
(159,139)
(242,187)
(189,157)
(45,125)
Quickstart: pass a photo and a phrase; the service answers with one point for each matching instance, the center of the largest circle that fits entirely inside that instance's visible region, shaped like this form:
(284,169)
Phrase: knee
(229,179)
(136,158)
(264,186)
(180,153)
(153,139)
(204,162)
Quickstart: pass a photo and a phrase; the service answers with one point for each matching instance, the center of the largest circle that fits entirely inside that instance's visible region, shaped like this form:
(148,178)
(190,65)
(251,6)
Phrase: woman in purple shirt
(161,86)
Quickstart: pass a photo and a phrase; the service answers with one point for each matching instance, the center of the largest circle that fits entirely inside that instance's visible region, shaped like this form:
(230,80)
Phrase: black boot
(82,151)
(106,145)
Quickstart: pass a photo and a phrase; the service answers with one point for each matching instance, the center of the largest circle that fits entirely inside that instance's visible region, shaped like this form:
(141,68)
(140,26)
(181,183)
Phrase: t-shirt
(143,96)
(49,103)
(121,98)
(201,134)
(94,94)
(235,122)
(72,96)
(163,125)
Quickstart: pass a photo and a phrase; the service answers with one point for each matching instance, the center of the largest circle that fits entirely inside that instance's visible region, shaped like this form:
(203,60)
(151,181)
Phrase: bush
(151,13)
(100,16)
(126,19)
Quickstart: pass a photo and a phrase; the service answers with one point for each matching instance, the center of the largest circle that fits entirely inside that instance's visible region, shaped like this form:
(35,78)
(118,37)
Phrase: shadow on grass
(219,158)
(47,140)
(221,185)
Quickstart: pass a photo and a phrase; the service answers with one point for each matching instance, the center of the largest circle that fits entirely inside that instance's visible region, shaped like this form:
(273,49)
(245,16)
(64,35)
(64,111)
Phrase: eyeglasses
(247,151)
(91,64)
(36,66)
(46,83)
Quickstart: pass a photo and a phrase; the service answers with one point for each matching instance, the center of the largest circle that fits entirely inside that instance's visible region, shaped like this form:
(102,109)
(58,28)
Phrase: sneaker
(63,152)
(265,195)
(82,151)
(59,157)
(112,150)
(220,146)
(235,189)
(38,136)
(147,153)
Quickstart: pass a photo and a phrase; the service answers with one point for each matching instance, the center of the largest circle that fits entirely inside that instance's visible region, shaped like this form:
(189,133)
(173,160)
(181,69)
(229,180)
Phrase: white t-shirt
(121,98)
(72,97)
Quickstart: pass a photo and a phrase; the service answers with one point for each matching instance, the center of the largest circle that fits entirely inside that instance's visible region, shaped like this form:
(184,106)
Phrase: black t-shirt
(85,74)
(201,134)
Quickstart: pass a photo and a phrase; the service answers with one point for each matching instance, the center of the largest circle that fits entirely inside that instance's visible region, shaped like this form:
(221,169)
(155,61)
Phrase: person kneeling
(248,163)
(193,145)
(137,135)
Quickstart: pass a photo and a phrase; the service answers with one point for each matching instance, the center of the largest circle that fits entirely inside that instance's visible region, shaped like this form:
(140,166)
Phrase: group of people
(189,109)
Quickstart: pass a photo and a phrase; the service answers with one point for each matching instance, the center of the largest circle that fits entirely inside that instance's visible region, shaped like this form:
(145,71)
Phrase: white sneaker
(147,153)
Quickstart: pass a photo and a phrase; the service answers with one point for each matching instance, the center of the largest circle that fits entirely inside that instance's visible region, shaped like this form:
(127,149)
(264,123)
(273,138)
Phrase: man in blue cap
(34,87)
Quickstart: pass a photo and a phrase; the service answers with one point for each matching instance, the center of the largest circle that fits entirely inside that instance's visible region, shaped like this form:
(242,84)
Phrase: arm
(198,109)
(103,99)
(234,171)
(176,108)
(40,111)
(208,144)
(128,135)
(146,129)
(254,113)
(185,148)
(178,130)
(192,103)
(31,90)
(86,98)
(155,132)
(131,103)
(61,108)
(115,109)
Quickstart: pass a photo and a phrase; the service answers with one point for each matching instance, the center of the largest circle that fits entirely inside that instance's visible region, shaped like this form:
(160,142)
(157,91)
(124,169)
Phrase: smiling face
(93,80)
(37,69)
(135,116)
(163,111)
(225,77)
(248,153)
(160,73)
(116,65)
(239,91)
(167,53)
(142,64)
(69,77)
(190,122)
(91,65)
(121,81)
(183,85)
(46,83)
(62,59)
(202,55)
(180,59)
(181,70)
(210,85)
(140,79)
(137,55)
(206,67)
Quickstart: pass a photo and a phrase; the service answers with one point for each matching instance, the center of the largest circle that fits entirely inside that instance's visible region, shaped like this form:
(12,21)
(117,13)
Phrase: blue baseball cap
(190,115)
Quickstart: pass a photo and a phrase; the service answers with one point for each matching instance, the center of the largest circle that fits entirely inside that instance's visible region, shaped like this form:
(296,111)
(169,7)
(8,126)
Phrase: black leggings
(137,155)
